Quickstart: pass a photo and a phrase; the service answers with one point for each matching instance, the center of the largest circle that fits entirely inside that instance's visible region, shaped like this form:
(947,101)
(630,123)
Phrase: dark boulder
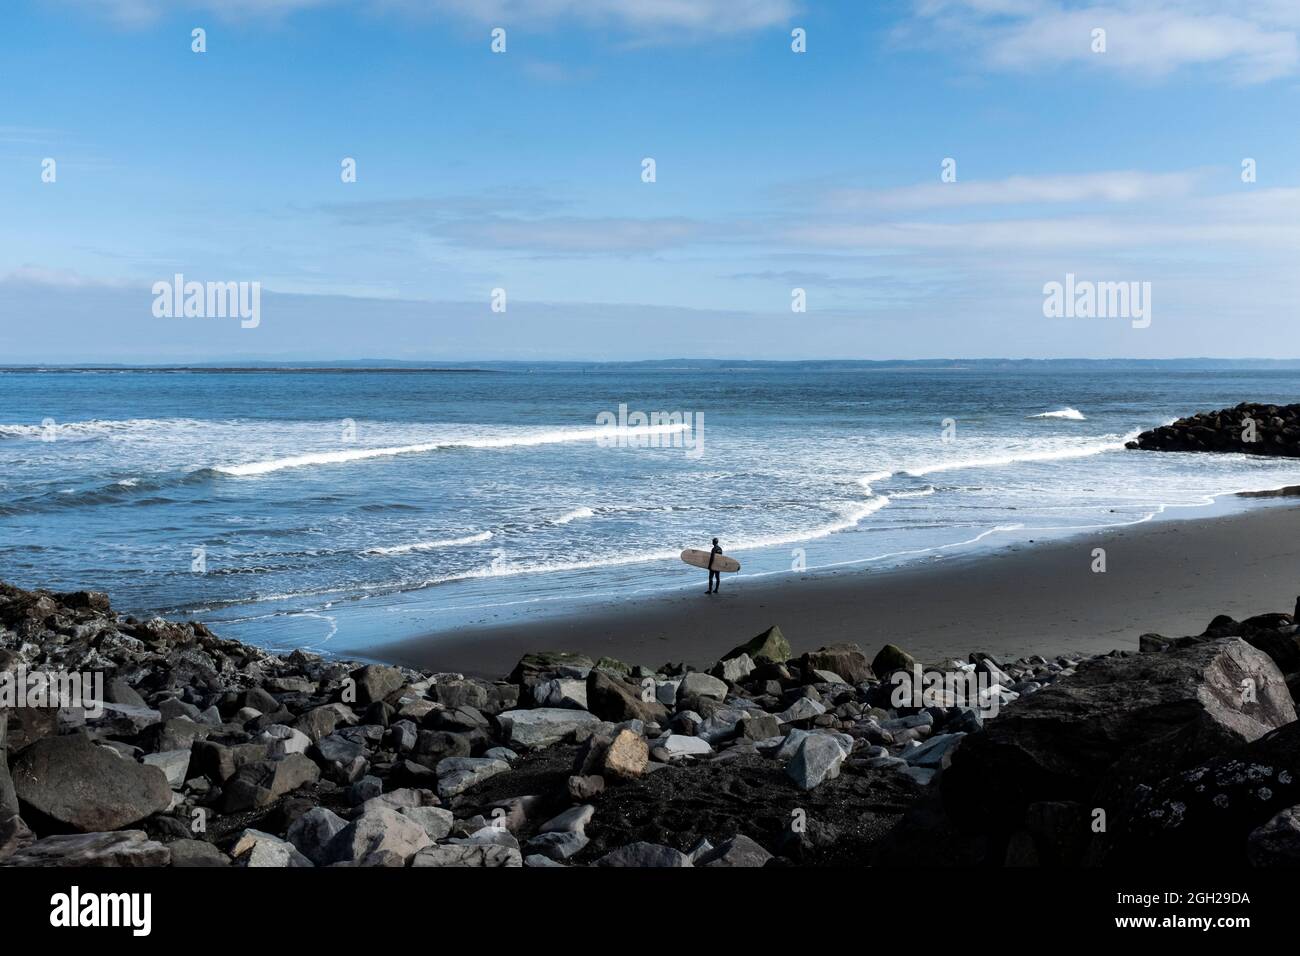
(611,698)
(1117,723)
(846,660)
(1204,816)
(82,786)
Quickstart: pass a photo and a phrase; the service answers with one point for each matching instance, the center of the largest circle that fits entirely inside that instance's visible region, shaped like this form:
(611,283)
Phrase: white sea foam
(507,441)
(574,515)
(96,427)
(1073,414)
(1016,457)
(431,545)
(918,493)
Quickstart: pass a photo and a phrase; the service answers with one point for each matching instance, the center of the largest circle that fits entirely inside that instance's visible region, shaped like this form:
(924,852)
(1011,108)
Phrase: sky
(523,171)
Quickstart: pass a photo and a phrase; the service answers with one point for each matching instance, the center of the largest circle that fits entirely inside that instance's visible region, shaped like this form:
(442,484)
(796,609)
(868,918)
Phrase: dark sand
(1167,576)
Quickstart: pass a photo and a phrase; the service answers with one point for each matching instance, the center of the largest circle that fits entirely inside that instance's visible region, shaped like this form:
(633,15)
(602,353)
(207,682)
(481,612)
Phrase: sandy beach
(1169,576)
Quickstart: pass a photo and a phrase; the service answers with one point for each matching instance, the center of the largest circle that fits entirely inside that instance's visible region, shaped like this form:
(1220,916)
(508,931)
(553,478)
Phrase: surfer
(715,577)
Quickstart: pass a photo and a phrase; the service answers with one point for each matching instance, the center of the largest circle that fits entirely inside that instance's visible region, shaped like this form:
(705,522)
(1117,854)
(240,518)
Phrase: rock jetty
(208,752)
(1248,428)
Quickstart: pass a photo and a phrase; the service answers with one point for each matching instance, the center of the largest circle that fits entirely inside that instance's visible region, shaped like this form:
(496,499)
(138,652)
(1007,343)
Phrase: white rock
(173,763)
(801,709)
(679,745)
(265,850)
(285,740)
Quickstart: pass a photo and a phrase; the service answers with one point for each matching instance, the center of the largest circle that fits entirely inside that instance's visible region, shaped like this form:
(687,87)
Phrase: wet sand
(1166,576)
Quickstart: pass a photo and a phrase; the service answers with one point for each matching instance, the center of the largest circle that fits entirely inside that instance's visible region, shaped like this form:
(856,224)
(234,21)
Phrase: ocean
(338,509)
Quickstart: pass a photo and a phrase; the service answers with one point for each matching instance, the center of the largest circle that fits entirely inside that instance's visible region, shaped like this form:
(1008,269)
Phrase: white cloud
(692,16)
(142,12)
(1120,186)
(1252,42)
(1267,220)
(654,17)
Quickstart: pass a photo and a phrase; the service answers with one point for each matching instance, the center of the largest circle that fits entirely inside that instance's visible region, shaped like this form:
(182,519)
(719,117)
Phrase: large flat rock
(87,787)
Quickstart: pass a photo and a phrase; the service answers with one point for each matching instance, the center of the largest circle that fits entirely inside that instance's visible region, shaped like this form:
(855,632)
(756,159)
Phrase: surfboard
(700,559)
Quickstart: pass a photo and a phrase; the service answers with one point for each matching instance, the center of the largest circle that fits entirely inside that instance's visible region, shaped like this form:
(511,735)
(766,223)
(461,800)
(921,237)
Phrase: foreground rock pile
(1248,428)
(208,752)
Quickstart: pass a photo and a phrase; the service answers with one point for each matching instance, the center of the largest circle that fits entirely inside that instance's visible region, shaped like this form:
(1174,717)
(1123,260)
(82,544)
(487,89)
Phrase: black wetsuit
(715,577)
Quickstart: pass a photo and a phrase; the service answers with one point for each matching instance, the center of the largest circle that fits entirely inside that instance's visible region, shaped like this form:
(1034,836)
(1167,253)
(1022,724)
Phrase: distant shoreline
(480,364)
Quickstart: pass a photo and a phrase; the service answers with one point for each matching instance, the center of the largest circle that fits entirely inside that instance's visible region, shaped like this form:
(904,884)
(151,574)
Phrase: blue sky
(522,171)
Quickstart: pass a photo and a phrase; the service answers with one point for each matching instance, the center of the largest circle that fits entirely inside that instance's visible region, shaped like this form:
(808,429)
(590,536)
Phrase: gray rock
(15,835)
(481,855)
(561,692)
(734,669)
(666,692)
(644,854)
(173,707)
(845,661)
(120,692)
(260,783)
(125,720)
(121,848)
(804,708)
(697,684)
(458,774)
(489,835)
(86,787)
(558,845)
(258,849)
(375,682)
(679,745)
(378,830)
(740,850)
(543,726)
(817,759)
(365,789)
(794,739)
(400,798)
(313,832)
(173,763)
(196,853)
(283,740)
(922,775)
(935,754)
(573,820)
(759,728)
(436,821)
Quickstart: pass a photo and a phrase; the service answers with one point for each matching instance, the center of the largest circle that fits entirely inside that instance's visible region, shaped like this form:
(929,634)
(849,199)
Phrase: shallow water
(338,509)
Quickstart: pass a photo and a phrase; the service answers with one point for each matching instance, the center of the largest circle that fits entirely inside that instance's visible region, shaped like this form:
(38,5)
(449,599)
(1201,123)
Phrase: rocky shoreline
(208,752)
(1250,428)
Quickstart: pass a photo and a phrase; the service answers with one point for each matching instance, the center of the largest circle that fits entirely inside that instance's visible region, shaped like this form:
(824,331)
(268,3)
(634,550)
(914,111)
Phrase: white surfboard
(700,559)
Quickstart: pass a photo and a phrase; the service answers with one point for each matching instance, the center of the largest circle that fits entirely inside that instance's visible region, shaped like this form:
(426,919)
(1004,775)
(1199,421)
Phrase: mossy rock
(613,665)
(770,646)
(892,658)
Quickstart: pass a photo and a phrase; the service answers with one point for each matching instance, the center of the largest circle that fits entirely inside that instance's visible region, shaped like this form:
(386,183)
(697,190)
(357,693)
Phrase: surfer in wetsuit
(715,577)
